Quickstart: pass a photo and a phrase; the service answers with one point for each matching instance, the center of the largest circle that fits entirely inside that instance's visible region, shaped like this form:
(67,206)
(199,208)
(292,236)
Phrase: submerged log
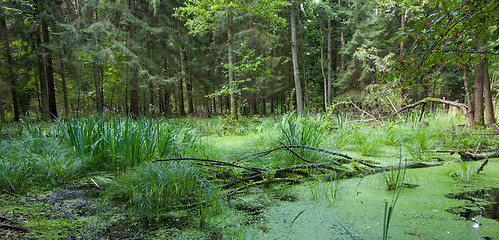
(299,173)
(476,157)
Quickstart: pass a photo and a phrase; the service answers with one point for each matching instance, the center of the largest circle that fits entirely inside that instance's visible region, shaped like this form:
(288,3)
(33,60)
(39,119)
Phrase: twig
(293,146)
(481,166)
(361,109)
(211,161)
(296,154)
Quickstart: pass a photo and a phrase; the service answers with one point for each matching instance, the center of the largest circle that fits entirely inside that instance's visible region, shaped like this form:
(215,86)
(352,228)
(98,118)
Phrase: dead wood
(475,157)
(287,147)
(464,107)
(281,170)
(14,227)
(481,166)
(254,169)
(265,181)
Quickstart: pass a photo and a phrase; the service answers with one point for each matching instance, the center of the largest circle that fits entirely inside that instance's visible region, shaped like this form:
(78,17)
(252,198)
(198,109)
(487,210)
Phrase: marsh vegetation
(287,177)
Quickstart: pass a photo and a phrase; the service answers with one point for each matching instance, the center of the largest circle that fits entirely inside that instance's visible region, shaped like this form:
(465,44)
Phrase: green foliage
(419,140)
(152,189)
(392,178)
(122,143)
(368,141)
(303,131)
(30,162)
(465,173)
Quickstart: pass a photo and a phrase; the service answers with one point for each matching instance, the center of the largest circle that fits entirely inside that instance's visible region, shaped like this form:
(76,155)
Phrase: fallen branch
(464,107)
(14,227)
(481,166)
(292,146)
(470,157)
(254,169)
(280,170)
(275,180)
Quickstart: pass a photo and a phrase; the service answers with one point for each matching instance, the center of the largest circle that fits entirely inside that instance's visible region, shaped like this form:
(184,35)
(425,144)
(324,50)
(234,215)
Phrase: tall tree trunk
(188,89)
(2,113)
(487,95)
(181,107)
(340,59)
(190,99)
(233,104)
(64,89)
(478,94)
(10,65)
(134,85)
(99,99)
(44,97)
(329,62)
(467,93)
(294,52)
(264,104)
(49,71)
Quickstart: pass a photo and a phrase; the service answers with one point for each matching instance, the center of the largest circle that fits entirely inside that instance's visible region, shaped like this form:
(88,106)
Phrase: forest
(236,119)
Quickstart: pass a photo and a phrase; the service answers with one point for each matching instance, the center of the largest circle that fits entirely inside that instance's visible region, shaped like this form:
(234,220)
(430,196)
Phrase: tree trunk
(134,85)
(64,89)
(44,103)
(294,52)
(264,104)
(487,95)
(329,63)
(181,107)
(467,93)
(233,105)
(10,65)
(478,95)
(99,100)
(49,71)
(188,88)
(2,113)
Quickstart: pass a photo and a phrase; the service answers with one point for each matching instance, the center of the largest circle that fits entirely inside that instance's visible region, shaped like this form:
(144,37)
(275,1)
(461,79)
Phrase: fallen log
(476,157)
(254,169)
(265,181)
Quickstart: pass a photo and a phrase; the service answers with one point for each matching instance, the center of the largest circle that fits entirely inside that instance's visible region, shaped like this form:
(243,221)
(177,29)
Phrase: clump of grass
(303,131)
(392,178)
(118,144)
(368,141)
(325,190)
(419,139)
(152,189)
(36,162)
(465,172)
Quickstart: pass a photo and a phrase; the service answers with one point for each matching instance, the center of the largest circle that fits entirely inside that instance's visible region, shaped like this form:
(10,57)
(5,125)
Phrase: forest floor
(434,208)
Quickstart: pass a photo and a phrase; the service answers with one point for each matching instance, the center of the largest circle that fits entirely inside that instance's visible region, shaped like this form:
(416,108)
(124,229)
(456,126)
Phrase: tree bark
(10,65)
(487,95)
(49,71)
(467,93)
(294,52)
(233,104)
(329,62)
(478,94)
(134,85)
(188,88)
(44,103)
(64,89)
(181,106)
(99,99)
